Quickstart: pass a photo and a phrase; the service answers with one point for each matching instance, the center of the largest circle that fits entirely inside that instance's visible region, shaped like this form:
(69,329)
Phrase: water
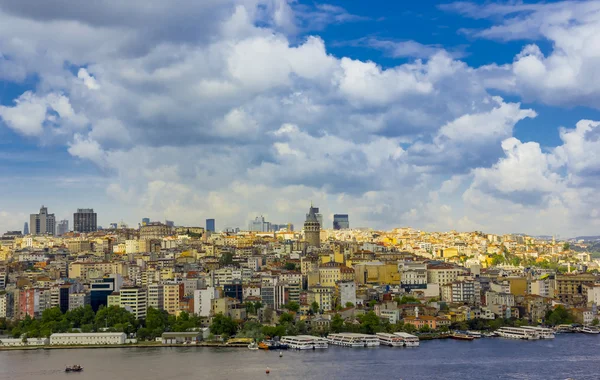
(570,355)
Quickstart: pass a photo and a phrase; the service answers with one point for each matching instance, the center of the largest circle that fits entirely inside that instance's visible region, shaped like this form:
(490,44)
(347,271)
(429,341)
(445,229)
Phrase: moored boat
(304,342)
(590,330)
(409,339)
(253,346)
(461,336)
(74,368)
(518,333)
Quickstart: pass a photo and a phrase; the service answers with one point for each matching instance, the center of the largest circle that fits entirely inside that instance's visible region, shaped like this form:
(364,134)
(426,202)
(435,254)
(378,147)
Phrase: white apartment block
(87,339)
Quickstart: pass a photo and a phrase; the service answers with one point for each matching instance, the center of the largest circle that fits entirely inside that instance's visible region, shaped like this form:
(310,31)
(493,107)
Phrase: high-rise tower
(312,228)
(85,220)
(42,223)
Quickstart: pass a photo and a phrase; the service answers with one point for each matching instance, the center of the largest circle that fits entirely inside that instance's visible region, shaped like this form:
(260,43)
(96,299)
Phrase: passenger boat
(391,340)
(590,330)
(563,329)
(304,342)
(544,333)
(253,346)
(474,334)
(409,339)
(353,340)
(461,336)
(74,368)
(518,333)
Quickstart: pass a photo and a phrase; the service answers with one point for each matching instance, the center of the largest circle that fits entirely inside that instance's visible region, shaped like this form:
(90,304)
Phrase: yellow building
(172,294)
(114,300)
(518,285)
(322,295)
(377,273)
(331,273)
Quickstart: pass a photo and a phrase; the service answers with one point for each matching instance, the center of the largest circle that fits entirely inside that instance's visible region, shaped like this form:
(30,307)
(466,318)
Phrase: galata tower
(312,228)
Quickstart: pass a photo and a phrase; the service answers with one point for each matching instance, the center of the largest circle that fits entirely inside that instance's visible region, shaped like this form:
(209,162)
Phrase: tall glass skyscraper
(210,225)
(341,222)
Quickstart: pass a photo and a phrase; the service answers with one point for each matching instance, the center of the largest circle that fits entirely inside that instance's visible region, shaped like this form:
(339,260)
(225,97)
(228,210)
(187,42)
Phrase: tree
(223,325)
(349,304)
(595,322)
(370,323)
(559,316)
(286,318)
(293,306)
(408,299)
(290,266)
(226,259)
(425,329)
(566,246)
(409,328)
(337,323)
(314,306)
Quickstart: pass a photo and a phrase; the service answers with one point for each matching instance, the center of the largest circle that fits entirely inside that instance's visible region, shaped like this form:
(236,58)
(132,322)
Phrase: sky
(436,115)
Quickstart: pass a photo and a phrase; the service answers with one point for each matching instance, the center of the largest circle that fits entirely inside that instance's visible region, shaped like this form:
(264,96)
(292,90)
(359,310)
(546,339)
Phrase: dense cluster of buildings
(454,276)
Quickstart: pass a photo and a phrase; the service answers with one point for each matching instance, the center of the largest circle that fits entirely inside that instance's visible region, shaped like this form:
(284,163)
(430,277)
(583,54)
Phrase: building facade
(62,227)
(341,222)
(210,225)
(42,223)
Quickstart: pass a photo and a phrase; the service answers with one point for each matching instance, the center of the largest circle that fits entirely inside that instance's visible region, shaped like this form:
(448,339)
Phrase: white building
(134,299)
(347,292)
(87,339)
(132,246)
(29,342)
(203,301)
(156,296)
(6,302)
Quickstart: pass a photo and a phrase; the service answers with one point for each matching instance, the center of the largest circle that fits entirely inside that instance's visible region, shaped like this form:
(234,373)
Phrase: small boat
(253,346)
(268,371)
(263,346)
(280,354)
(74,368)
(474,334)
(462,336)
(590,330)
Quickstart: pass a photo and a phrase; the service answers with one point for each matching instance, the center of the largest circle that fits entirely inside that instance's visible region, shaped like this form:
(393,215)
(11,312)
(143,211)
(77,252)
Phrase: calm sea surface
(571,355)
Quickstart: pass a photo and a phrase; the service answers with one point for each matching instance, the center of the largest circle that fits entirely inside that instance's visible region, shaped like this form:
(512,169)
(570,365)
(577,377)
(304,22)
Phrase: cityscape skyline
(336,222)
(464,116)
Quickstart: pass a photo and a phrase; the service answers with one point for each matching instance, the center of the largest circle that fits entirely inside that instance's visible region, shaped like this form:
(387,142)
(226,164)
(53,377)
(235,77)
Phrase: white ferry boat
(518,333)
(474,334)
(304,342)
(391,340)
(409,339)
(590,330)
(353,340)
(545,333)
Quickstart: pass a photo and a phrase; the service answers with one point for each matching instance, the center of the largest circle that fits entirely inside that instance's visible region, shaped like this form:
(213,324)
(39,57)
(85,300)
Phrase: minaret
(312,228)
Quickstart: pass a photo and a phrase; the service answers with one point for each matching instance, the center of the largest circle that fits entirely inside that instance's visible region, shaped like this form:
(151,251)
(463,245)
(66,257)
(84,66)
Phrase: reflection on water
(573,355)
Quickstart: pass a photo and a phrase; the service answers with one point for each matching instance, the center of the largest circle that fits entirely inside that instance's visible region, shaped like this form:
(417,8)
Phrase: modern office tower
(85,220)
(26,229)
(312,228)
(145,221)
(42,223)
(62,227)
(259,225)
(341,222)
(210,225)
(170,223)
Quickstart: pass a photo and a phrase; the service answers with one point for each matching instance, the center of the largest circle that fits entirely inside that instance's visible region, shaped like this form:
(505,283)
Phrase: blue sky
(461,115)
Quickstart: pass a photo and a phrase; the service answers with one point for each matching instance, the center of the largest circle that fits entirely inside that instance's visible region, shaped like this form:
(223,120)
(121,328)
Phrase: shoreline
(134,345)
